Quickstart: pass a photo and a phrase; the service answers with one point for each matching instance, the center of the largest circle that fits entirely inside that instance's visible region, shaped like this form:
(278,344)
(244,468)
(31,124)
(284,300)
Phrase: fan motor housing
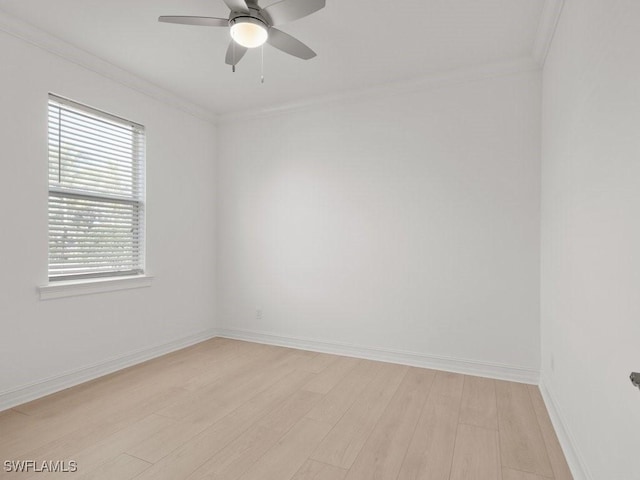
(252,17)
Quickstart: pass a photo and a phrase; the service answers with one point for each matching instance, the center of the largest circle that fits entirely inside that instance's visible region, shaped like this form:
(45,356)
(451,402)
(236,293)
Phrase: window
(96,193)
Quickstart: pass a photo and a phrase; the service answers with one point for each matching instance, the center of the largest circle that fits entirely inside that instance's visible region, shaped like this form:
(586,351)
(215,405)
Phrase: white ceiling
(360,43)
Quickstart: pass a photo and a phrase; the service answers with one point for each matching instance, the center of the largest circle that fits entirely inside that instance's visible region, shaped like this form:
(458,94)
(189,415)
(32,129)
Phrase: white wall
(407,222)
(591,232)
(42,339)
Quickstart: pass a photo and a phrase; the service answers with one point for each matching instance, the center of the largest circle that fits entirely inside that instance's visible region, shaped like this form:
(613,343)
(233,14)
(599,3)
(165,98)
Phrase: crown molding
(435,80)
(41,39)
(549,18)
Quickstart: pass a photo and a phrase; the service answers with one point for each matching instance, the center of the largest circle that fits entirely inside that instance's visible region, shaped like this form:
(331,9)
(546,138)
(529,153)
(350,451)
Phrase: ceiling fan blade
(235,53)
(288,44)
(288,10)
(200,21)
(237,5)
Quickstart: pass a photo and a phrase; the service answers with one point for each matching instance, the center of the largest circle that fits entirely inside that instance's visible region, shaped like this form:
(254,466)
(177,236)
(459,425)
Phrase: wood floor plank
(521,444)
(331,408)
(215,402)
(12,423)
(312,470)
(430,452)
(50,438)
(284,459)
(476,455)
(508,474)
(244,379)
(383,453)
(330,376)
(95,454)
(479,403)
(163,442)
(123,467)
(319,362)
(196,369)
(448,384)
(344,442)
(159,444)
(558,461)
(220,366)
(237,457)
(41,430)
(184,459)
(12,418)
(91,455)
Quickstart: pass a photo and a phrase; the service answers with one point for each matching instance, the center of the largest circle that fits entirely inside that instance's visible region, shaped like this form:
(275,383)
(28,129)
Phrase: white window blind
(96,193)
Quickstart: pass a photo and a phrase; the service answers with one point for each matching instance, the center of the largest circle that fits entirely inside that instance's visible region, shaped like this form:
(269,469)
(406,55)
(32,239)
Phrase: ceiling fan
(251,26)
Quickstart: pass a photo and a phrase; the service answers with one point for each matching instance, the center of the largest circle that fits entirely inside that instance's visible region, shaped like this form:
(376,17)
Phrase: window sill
(73,288)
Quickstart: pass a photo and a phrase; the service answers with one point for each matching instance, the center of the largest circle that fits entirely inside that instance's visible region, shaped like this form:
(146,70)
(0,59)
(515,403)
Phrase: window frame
(99,280)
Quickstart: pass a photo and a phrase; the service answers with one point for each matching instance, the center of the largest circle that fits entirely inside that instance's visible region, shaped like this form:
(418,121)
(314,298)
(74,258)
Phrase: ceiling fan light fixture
(249,32)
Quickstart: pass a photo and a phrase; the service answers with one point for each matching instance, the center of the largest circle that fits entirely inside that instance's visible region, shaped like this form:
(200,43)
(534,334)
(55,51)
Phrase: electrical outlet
(258,314)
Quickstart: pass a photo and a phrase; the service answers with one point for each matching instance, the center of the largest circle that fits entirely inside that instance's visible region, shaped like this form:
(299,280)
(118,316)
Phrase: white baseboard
(457,365)
(574,458)
(47,386)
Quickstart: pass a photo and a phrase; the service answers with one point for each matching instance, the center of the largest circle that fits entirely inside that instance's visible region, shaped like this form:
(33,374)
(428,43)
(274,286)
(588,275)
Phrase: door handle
(635,379)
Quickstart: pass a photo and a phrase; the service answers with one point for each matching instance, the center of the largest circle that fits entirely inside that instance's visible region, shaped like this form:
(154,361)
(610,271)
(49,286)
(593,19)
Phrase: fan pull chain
(262,66)
(233,67)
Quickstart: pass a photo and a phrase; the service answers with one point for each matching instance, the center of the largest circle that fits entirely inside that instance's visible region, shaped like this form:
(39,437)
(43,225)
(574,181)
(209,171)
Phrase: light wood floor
(225,409)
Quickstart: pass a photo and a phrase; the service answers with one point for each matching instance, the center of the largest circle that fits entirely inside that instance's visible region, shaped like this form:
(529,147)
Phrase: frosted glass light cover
(249,35)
